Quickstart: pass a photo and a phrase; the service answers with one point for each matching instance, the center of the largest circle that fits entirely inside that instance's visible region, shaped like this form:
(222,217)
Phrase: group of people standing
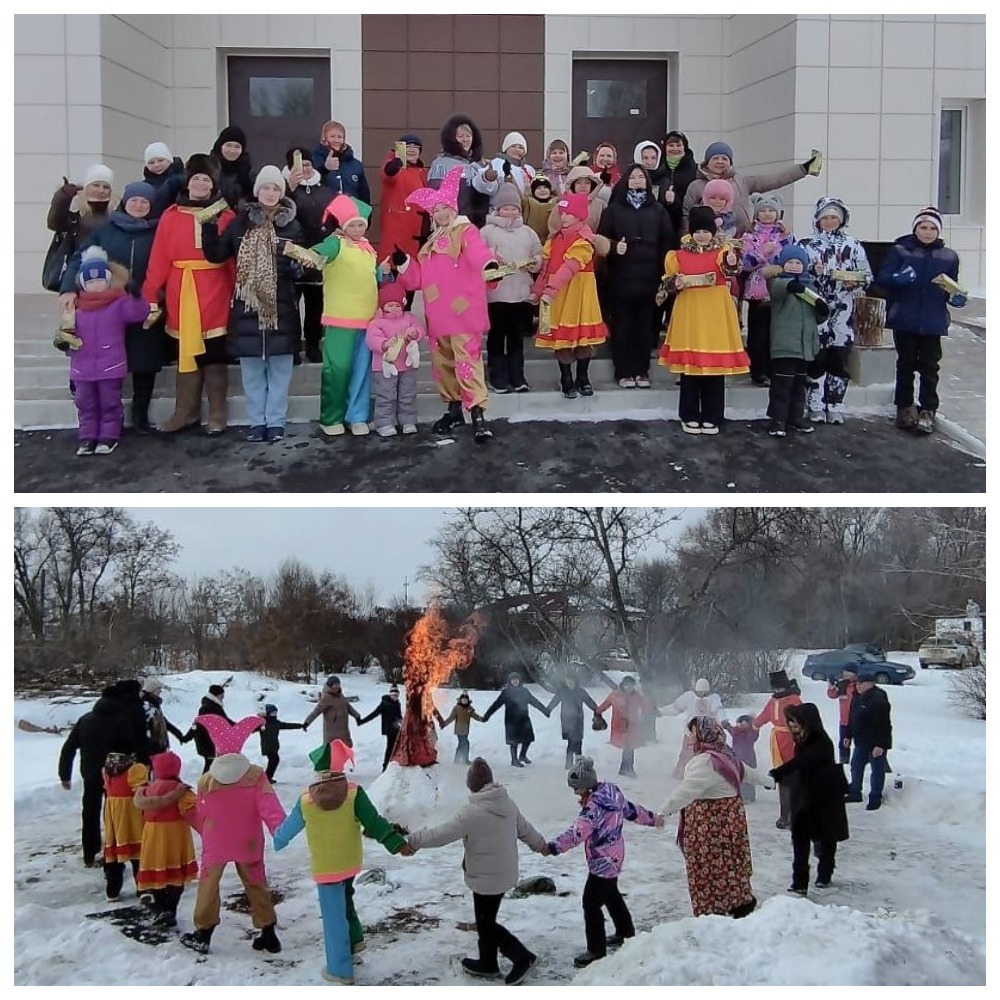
(213,260)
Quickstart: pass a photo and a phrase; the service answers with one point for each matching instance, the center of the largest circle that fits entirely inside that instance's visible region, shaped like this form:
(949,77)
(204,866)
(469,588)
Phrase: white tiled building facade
(869,90)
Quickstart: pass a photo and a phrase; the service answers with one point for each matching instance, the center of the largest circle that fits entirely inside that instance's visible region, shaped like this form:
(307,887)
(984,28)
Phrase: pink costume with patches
(448,270)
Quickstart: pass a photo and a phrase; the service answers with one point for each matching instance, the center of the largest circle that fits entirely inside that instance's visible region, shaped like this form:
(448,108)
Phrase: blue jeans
(462,750)
(861,757)
(336,936)
(265,385)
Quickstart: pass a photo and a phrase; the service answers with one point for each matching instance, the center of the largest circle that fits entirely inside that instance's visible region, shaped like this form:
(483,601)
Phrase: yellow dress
(704,333)
(122,821)
(575,315)
(168,856)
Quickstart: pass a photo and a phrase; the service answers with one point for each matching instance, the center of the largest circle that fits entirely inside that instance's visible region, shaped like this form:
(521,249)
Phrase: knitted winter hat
(447,194)
(391,292)
(231,133)
(761,201)
(201,163)
(217,690)
(540,180)
(701,686)
(479,775)
(139,189)
(332,756)
(929,214)
(156,150)
(718,149)
(228,738)
(508,195)
(228,768)
(793,252)
(513,139)
(701,217)
(412,139)
(333,681)
(583,775)
(575,204)
(344,208)
(718,189)
(93,266)
(166,765)
(270,709)
(152,685)
(98,173)
(269,174)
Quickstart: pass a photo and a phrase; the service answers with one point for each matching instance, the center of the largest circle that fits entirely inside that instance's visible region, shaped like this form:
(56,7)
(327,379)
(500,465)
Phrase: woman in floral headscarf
(712,833)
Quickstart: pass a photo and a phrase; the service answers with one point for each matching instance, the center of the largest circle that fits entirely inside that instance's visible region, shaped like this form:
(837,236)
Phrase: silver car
(942,652)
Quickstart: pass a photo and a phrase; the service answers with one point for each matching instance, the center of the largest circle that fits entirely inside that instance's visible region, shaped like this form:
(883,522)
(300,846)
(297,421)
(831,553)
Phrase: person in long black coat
(235,168)
(265,327)
(391,713)
(211,704)
(516,720)
(641,233)
(127,238)
(134,711)
(572,697)
(103,730)
(816,787)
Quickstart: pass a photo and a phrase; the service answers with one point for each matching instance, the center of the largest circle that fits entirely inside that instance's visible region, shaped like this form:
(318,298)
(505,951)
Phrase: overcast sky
(383,545)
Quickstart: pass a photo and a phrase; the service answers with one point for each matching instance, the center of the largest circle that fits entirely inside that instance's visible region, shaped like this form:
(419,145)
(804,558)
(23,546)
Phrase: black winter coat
(168,186)
(572,700)
(269,739)
(870,721)
(516,720)
(127,242)
(817,787)
(678,179)
(202,741)
(310,204)
(648,233)
(245,338)
(390,711)
(104,729)
(158,727)
(235,177)
(921,306)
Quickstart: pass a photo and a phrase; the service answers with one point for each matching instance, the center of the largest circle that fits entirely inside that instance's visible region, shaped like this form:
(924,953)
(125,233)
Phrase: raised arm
(773,179)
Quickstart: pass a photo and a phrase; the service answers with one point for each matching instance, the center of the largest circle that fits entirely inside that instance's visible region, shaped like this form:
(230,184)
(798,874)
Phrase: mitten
(399,258)
(393,167)
(413,354)
(958,300)
(391,349)
(506,168)
(795,286)
(904,276)
(822,311)
(606,178)
(814,164)
(579,159)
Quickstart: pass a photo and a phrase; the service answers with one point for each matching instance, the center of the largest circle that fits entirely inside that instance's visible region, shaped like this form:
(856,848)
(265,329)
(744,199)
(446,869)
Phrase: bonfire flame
(434,651)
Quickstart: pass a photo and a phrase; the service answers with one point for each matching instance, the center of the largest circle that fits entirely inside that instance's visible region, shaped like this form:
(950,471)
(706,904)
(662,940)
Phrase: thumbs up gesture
(731,258)
(621,247)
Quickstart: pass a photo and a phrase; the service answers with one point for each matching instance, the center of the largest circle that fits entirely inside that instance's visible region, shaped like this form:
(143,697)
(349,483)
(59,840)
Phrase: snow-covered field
(910,906)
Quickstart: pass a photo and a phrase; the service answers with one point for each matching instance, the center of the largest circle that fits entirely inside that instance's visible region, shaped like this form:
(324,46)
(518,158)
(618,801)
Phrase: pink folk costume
(575,325)
(449,271)
(233,800)
(99,365)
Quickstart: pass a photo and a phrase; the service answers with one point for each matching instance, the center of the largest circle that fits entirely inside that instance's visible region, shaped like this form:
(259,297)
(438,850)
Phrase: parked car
(948,651)
(873,650)
(830,666)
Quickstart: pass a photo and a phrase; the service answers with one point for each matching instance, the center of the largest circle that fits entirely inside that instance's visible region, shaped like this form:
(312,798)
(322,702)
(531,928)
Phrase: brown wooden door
(279,101)
(620,100)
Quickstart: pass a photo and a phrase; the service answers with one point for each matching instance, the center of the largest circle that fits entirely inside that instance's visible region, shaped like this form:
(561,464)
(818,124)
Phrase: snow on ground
(909,907)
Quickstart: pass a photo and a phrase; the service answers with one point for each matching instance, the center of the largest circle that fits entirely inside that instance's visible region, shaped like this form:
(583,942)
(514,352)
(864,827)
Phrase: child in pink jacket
(394,337)
(234,798)
(451,269)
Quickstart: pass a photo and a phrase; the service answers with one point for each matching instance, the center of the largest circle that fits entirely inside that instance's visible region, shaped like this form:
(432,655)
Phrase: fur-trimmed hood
(450,146)
(256,215)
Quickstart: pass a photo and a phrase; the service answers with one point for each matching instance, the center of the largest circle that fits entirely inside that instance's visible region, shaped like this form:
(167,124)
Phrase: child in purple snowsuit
(744,736)
(98,366)
(599,827)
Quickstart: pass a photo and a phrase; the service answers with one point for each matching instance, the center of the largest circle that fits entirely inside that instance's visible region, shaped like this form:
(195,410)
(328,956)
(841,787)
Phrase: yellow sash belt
(190,331)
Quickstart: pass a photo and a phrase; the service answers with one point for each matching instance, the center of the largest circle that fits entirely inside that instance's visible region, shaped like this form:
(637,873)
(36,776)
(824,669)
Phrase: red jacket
(850,690)
(782,744)
(399,223)
(626,718)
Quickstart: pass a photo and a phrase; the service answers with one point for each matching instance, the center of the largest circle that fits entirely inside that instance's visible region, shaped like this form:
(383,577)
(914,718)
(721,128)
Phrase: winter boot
(925,422)
(452,418)
(744,909)
(187,405)
(142,393)
(476,967)
(906,417)
(835,413)
(480,429)
(198,940)
(566,381)
(582,378)
(267,940)
(586,958)
(217,386)
(520,968)
(815,409)
(514,762)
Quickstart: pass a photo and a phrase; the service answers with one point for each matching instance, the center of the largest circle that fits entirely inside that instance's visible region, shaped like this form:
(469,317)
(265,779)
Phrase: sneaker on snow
(801,425)
(691,427)
(817,416)
(475,967)
(707,428)
(585,958)
(520,969)
(834,414)
(777,429)
(112,898)
(339,980)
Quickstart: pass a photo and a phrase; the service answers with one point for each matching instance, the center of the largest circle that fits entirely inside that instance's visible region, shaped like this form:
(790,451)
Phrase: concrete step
(742,401)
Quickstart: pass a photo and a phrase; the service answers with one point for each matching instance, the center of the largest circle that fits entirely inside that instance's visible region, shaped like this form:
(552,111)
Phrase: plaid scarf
(257,273)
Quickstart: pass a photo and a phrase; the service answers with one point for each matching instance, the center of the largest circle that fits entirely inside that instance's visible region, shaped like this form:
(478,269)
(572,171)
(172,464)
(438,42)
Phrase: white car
(943,652)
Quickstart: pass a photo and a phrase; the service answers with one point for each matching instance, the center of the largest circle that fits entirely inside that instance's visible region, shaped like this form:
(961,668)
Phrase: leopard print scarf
(257,273)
